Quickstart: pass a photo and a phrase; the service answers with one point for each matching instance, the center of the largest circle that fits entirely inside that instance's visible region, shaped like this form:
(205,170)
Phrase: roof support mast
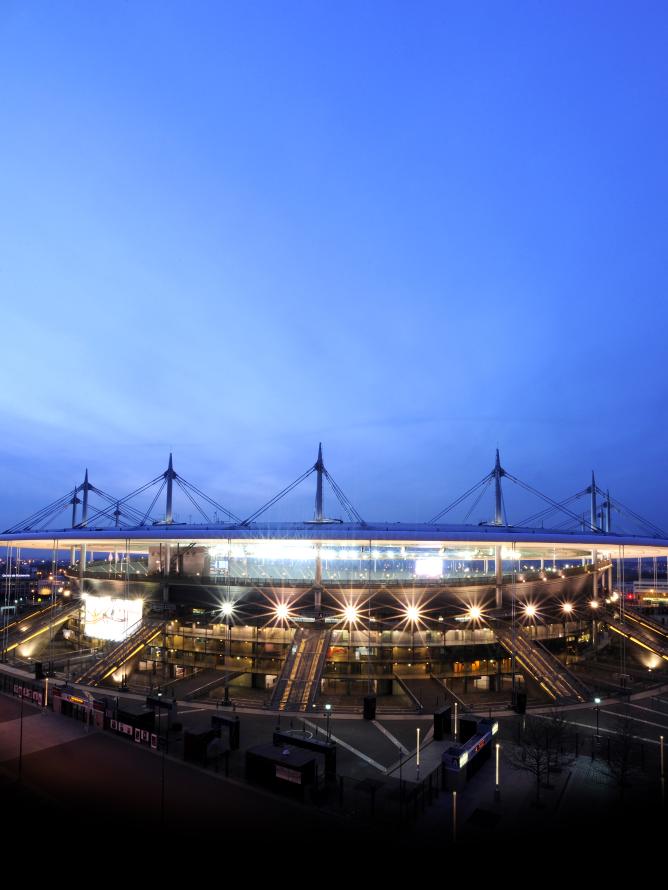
(608,513)
(498,473)
(85,488)
(498,520)
(594,527)
(319,467)
(593,516)
(170,475)
(84,510)
(75,500)
(317,592)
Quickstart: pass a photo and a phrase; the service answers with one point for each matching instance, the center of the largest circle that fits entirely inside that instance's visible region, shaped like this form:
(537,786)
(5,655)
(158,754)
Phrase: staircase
(551,675)
(299,683)
(28,627)
(141,634)
(639,630)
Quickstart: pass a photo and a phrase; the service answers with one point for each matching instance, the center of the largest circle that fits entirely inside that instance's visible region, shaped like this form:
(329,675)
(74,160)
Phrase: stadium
(363,614)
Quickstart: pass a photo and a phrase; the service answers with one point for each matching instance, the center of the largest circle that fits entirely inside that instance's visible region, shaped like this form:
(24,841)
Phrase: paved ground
(103,783)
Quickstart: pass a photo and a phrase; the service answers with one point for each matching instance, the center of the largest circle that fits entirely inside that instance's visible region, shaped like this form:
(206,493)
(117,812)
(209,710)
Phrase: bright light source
(110,618)
(227,608)
(413,614)
(350,614)
(475,612)
(282,611)
(567,607)
(614,597)
(428,567)
(530,610)
(594,604)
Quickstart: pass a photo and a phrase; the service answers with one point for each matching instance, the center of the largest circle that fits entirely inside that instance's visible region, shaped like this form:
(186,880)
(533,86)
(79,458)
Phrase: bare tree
(621,766)
(540,749)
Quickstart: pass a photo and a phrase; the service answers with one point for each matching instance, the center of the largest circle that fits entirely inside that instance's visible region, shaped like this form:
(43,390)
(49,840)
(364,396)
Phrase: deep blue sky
(413,231)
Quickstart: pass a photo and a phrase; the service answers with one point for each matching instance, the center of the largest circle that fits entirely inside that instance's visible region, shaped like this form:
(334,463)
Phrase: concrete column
(317,594)
(165,573)
(498,566)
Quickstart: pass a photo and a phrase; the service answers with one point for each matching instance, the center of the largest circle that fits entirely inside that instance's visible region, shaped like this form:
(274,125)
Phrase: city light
(282,611)
(227,608)
(350,614)
(594,604)
(567,607)
(530,610)
(475,612)
(413,614)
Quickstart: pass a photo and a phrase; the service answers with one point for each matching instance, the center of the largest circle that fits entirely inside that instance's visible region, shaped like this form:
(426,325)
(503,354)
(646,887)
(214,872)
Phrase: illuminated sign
(289,775)
(110,618)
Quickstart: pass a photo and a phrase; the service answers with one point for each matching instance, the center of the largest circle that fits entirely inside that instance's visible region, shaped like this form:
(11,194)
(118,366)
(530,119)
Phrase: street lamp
(497,785)
(162,778)
(597,702)
(328,712)
(417,754)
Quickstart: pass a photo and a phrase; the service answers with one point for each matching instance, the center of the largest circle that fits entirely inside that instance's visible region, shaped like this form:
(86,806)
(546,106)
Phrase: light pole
(661,762)
(21,736)
(497,783)
(417,755)
(661,755)
(597,702)
(328,712)
(162,776)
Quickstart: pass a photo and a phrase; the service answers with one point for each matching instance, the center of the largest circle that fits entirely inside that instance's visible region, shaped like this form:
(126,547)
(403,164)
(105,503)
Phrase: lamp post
(417,755)
(162,775)
(497,783)
(661,763)
(328,712)
(597,702)
(21,736)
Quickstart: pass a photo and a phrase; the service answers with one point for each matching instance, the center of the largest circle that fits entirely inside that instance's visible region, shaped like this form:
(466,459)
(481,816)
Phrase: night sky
(412,231)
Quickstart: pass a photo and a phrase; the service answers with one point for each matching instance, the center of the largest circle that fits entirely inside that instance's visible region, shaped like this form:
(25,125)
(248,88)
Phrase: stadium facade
(284,613)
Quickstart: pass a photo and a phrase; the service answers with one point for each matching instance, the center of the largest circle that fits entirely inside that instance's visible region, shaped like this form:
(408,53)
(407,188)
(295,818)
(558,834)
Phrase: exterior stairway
(141,634)
(26,628)
(551,675)
(639,630)
(299,683)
